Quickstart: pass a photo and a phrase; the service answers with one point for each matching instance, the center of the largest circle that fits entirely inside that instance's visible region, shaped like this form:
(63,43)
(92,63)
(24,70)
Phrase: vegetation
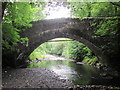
(95,9)
(75,50)
(106,31)
(69,49)
(16,17)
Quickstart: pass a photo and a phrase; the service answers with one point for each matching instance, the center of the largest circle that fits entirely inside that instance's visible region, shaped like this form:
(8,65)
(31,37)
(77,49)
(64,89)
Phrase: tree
(76,50)
(107,31)
(95,9)
(16,18)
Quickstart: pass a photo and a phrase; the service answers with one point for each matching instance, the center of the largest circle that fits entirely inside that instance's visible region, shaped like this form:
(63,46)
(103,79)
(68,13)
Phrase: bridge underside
(45,30)
(48,35)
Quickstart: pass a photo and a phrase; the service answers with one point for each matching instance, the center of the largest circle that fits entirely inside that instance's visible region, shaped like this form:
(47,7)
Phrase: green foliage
(10,35)
(80,9)
(69,49)
(43,49)
(107,31)
(94,9)
(107,28)
(92,61)
(24,39)
(75,50)
(16,16)
(102,9)
(58,48)
(37,53)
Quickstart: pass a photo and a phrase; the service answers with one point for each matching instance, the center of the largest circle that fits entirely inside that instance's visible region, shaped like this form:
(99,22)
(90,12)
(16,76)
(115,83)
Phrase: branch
(115,4)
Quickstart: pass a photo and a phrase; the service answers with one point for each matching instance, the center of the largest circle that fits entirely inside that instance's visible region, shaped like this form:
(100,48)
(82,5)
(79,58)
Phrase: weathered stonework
(74,28)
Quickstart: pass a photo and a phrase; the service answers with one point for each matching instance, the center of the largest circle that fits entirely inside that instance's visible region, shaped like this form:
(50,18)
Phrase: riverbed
(60,73)
(79,74)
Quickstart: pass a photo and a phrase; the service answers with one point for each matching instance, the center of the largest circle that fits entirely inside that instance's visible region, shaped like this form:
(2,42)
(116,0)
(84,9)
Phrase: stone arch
(74,28)
(51,34)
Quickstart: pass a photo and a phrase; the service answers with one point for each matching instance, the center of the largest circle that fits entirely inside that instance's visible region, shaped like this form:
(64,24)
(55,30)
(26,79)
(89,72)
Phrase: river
(79,74)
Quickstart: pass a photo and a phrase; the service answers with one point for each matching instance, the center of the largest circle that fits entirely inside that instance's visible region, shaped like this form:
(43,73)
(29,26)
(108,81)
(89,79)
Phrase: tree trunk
(3,8)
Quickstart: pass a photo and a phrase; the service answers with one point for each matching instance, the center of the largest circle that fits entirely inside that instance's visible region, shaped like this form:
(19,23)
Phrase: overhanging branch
(115,4)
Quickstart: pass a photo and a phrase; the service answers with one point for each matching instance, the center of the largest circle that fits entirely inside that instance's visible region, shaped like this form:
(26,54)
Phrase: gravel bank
(36,78)
(32,78)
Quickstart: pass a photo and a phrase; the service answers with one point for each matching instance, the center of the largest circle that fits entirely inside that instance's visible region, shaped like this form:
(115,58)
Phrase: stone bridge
(73,28)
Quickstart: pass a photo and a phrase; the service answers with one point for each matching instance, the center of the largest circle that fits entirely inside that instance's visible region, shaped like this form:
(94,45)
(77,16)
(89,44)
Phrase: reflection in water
(78,74)
(64,71)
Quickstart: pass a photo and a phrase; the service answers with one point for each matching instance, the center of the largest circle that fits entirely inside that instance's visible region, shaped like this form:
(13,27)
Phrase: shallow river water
(79,74)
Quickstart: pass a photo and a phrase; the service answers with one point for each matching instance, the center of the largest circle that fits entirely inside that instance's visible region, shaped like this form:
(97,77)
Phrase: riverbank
(54,57)
(41,78)
(32,78)
(58,72)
